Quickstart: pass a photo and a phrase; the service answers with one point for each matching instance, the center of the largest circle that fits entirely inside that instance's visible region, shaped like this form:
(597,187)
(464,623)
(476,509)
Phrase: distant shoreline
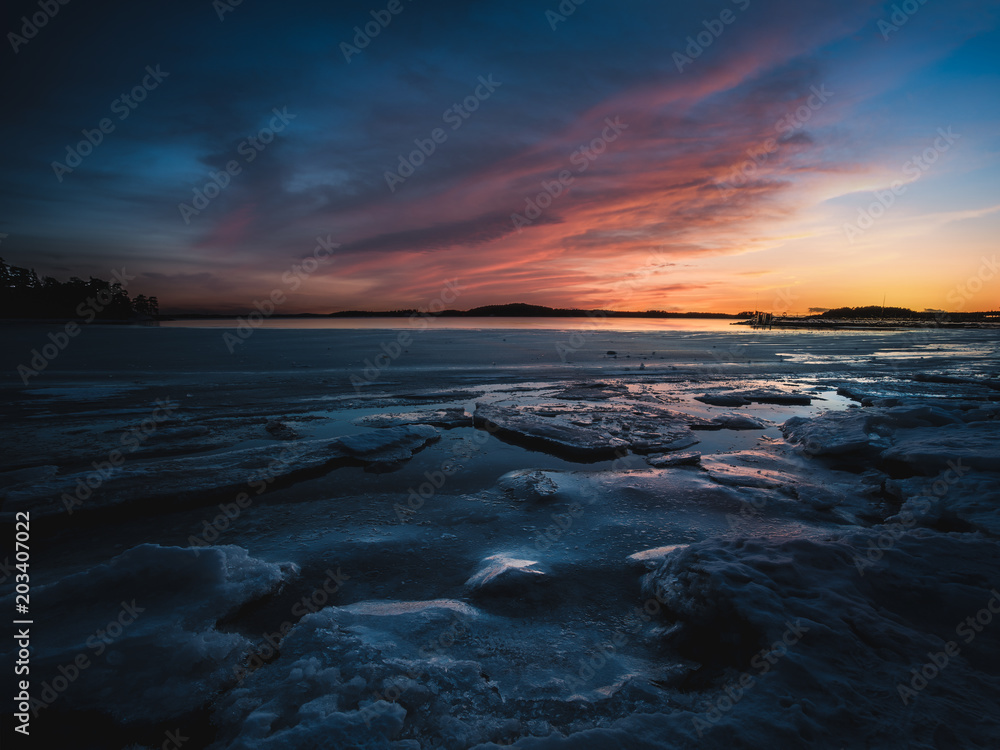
(816,323)
(868,317)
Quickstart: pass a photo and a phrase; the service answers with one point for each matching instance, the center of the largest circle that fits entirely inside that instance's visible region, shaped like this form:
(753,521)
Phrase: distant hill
(519,309)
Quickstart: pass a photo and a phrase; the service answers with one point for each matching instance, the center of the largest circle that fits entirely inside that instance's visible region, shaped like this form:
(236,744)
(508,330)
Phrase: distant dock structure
(873,318)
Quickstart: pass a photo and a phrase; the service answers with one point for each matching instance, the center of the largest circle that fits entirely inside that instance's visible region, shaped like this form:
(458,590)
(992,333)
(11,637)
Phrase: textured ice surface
(830,434)
(446,418)
(794,647)
(666,460)
(738,422)
(529,485)
(145,623)
(928,436)
(587,432)
(168,481)
(30,475)
(975,446)
(532,597)
(391,445)
(340,668)
(961,501)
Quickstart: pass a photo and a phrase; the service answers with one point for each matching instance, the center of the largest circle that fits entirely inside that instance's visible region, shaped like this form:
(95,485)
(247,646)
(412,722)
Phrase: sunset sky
(739,175)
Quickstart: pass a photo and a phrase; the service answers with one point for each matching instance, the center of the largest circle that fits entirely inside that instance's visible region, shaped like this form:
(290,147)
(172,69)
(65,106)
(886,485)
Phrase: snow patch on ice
(651,558)
(499,573)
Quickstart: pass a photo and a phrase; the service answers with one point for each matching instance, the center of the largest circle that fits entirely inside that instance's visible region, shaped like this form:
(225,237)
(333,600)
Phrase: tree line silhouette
(874,311)
(24,294)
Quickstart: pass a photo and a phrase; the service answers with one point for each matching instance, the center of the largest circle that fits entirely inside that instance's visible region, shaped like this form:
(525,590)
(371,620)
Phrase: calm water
(529,324)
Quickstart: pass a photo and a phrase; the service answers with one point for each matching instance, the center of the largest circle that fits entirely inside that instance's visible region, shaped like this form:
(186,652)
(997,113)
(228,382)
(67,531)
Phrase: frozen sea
(552,534)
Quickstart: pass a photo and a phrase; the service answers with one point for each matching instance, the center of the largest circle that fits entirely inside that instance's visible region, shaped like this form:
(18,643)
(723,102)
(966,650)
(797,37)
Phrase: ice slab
(667,460)
(830,434)
(738,422)
(444,418)
(590,432)
(975,446)
(742,398)
(530,485)
(161,485)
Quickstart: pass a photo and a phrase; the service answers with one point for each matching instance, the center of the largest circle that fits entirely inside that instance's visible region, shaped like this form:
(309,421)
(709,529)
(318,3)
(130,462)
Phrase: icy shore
(757,539)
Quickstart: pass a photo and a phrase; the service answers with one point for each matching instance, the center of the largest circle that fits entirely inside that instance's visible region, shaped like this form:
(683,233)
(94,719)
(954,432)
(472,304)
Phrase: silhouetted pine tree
(24,295)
